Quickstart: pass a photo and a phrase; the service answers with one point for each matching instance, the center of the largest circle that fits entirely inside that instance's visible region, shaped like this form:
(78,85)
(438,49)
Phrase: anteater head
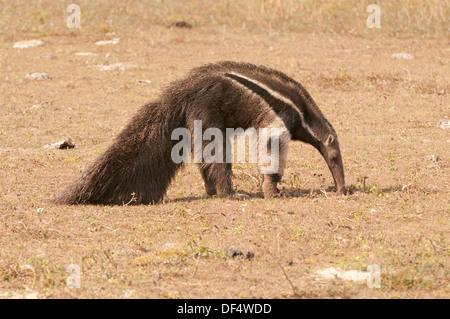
(331,152)
(318,132)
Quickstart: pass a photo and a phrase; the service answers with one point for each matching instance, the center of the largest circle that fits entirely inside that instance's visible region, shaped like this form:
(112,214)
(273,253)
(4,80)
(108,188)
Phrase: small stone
(235,253)
(405,187)
(47,56)
(86,54)
(144,81)
(232,253)
(249,255)
(68,143)
(107,42)
(182,24)
(28,44)
(350,275)
(404,56)
(38,76)
(435,158)
(444,124)
(116,66)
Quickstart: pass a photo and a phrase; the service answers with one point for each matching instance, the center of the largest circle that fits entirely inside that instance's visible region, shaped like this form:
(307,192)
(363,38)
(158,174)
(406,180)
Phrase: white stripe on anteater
(277,96)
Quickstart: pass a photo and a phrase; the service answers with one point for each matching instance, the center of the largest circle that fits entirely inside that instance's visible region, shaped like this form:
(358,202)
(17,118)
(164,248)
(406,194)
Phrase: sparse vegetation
(400,18)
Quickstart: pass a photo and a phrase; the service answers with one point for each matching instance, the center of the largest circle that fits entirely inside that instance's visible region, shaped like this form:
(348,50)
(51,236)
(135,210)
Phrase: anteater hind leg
(216,173)
(217,178)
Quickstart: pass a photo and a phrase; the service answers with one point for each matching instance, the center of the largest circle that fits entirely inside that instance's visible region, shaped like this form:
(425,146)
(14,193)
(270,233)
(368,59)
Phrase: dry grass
(384,110)
(405,18)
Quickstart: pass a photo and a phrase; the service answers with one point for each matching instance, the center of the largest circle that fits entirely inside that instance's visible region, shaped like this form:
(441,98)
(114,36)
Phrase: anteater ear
(329,140)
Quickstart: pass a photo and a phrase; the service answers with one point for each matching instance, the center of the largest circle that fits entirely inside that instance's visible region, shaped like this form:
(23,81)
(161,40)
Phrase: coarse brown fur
(137,167)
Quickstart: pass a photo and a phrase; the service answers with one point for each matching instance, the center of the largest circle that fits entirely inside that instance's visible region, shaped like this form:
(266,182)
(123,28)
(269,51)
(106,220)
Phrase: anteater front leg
(269,185)
(223,179)
(272,162)
(208,178)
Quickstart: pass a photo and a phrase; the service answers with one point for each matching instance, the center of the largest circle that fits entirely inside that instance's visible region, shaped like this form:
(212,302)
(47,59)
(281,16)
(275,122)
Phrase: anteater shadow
(288,193)
(241,195)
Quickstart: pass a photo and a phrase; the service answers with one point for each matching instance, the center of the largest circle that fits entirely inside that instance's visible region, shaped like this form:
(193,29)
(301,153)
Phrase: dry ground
(384,110)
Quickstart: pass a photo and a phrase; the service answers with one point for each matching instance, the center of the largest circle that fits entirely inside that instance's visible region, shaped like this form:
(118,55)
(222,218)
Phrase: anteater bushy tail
(136,168)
